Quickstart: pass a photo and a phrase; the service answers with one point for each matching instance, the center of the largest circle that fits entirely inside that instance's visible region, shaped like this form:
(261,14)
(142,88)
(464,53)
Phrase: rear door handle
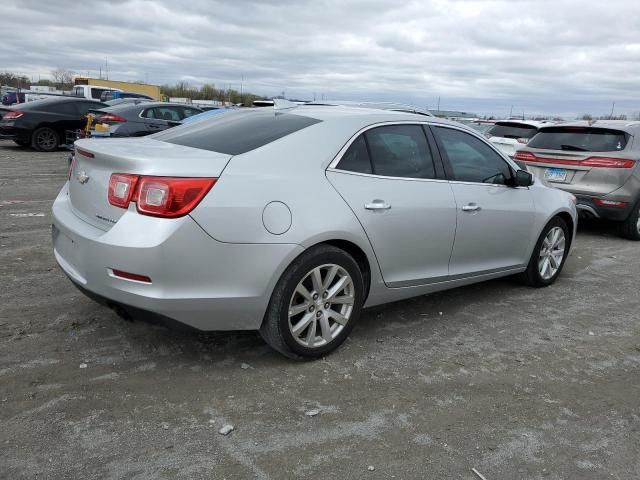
(377,205)
(472,207)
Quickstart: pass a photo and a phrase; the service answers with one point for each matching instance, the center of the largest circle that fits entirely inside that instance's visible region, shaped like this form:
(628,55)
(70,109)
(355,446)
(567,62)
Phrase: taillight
(167,197)
(594,162)
(72,164)
(608,162)
(122,188)
(12,115)
(525,156)
(111,118)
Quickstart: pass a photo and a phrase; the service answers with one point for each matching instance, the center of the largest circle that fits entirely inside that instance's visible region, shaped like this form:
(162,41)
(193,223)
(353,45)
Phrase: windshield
(512,130)
(580,139)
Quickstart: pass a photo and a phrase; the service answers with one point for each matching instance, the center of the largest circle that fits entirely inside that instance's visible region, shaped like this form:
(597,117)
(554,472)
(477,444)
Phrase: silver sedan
(291,220)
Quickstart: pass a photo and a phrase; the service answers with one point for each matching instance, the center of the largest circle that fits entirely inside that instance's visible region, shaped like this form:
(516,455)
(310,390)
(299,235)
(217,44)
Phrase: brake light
(111,118)
(594,162)
(609,203)
(12,115)
(167,197)
(122,188)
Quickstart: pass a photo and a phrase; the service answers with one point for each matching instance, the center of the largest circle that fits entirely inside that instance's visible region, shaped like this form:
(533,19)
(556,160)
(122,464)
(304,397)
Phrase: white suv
(509,135)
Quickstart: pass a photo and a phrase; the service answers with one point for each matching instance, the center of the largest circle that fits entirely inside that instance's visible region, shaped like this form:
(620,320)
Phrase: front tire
(45,139)
(549,255)
(315,304)
(630,228)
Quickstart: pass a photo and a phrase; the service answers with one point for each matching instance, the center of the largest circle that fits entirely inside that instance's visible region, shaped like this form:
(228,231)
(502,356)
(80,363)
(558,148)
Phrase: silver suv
(599,162)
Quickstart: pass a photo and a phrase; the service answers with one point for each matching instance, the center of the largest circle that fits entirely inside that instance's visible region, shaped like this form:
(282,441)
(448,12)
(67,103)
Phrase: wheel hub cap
(321,305)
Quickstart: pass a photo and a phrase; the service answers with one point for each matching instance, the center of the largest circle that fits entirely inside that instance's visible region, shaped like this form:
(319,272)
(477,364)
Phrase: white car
(509,135)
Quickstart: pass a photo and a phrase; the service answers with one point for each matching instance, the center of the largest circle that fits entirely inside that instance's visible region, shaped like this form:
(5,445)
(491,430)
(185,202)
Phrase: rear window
(512,130)
(580,139)
(235,133)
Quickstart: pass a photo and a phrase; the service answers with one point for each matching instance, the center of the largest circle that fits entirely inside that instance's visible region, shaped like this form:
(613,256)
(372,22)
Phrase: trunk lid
(96,159)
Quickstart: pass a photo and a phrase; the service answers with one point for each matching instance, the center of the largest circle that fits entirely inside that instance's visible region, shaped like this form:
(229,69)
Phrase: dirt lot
(516,382)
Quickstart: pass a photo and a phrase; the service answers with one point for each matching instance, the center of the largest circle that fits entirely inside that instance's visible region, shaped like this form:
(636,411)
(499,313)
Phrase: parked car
(291,221)
(43,123)
(598,162)
(11,98)
(92,92)
(510,135)
(116,94)
(139,119)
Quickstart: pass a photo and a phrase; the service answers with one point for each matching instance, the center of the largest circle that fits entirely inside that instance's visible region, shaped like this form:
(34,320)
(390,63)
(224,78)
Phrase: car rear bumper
(195,280)
(589,208)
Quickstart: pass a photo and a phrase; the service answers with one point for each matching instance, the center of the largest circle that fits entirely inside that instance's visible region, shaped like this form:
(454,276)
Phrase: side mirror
(523,179)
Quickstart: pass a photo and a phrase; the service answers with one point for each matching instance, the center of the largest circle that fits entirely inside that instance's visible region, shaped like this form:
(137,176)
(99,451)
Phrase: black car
(43,123)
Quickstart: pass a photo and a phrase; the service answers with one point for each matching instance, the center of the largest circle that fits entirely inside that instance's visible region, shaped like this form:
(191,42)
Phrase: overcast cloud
(565,57)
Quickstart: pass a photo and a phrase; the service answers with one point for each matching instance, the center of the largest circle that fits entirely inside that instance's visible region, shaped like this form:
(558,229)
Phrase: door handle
(377,205)
(472,207)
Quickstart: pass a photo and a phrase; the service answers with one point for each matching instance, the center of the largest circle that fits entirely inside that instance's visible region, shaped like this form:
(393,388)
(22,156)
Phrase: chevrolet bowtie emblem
(82,177)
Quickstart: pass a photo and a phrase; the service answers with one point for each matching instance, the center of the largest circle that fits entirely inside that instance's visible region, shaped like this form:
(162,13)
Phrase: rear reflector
(131,276)
(167,197)
(12,115)
(609,203)
(595,162)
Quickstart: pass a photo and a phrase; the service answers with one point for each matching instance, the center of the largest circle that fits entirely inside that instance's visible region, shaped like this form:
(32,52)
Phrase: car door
(389,178)
(494,220)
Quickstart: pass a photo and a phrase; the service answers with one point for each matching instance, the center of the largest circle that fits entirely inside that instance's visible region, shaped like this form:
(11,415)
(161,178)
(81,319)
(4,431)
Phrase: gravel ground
(516,382)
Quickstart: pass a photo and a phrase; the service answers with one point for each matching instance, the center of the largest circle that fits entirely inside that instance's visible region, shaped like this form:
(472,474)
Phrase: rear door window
(512,130)
(235,133)
(580,139)
(356,158)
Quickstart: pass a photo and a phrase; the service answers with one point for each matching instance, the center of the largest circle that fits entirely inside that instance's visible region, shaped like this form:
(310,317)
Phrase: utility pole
(438,104)
(511,112)
(612,107)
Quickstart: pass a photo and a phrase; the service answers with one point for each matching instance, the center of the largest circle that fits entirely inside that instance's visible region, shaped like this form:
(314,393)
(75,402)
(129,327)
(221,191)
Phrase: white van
(92,92)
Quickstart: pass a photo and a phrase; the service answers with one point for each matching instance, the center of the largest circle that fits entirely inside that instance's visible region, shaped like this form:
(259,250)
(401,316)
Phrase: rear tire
(45,139)
(315,304)
(630,228)
(546,261)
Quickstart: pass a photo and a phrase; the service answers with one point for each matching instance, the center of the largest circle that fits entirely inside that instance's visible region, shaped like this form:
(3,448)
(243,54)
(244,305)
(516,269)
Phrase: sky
(562,57)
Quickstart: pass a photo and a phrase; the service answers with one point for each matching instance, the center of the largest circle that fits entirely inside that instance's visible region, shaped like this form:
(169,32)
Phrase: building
(152,91)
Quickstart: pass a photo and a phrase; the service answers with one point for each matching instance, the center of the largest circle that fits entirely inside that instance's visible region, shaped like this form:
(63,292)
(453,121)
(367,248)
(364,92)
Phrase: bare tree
(62,78)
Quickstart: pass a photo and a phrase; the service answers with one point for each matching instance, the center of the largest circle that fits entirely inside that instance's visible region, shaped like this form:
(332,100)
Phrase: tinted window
(512,130)
(96,92)
(189,112)
(356,158)
(580,139)
(400,151)
(239,132)
(471,159)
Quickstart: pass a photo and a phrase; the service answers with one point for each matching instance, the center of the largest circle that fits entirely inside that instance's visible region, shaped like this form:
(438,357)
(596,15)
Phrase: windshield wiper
(573,148)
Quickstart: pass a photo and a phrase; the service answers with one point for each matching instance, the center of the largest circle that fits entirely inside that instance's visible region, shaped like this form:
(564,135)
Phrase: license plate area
(555,175)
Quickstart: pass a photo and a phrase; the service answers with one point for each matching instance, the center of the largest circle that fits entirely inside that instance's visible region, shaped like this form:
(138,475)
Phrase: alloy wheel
(551,253)
(321,305)
(46,139)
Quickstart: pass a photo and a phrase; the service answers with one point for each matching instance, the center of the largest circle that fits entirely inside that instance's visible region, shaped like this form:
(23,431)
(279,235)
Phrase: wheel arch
(568,219)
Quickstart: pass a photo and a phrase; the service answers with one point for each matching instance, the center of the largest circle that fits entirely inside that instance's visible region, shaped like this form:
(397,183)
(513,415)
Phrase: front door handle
(377,205)
(472,207)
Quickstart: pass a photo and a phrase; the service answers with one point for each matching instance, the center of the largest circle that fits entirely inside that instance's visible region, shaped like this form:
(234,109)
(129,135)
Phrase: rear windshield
(512,130)
(235,133)
(580,139)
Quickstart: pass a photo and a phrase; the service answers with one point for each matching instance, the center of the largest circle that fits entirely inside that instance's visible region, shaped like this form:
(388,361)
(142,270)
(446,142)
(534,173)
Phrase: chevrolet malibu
(290,220)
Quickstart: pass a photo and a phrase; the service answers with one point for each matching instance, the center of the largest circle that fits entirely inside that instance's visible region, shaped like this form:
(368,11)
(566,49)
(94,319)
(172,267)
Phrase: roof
(392,106)
(531,123)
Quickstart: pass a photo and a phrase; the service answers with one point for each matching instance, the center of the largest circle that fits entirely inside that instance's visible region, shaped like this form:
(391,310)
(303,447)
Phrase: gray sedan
(290,221)
(133,119)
